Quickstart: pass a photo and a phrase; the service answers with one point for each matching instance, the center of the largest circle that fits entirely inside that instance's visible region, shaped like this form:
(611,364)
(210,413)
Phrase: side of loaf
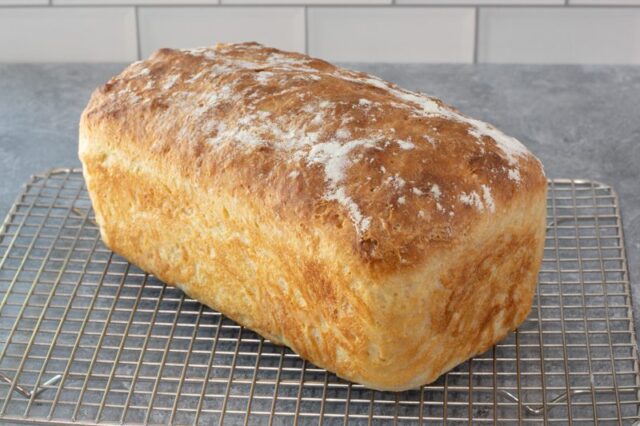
(377,232)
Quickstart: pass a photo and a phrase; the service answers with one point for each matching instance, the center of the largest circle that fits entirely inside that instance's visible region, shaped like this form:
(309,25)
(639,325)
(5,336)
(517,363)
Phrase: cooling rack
(86,337)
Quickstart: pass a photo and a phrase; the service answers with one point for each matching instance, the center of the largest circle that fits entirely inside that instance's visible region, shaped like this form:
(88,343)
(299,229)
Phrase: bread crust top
(389,173)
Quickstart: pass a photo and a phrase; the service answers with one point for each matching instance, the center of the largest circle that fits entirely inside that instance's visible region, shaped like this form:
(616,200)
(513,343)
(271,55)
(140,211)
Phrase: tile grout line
(138,50)
(443,5)
(475,34)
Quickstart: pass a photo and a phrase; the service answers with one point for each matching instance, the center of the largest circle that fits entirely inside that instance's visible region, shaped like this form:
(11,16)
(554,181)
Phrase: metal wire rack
(86,337)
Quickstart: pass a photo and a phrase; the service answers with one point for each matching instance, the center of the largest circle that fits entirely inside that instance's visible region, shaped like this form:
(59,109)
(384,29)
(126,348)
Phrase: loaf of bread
(377,232)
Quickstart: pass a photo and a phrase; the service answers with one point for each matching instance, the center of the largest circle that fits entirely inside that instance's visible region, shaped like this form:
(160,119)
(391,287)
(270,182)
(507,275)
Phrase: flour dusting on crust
(226,99)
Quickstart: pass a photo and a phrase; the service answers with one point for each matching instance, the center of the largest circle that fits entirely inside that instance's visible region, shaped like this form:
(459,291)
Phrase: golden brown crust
(269,123)
(377,232)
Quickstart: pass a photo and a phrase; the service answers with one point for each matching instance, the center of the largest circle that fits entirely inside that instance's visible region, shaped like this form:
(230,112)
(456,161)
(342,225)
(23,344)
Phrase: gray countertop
(582,121)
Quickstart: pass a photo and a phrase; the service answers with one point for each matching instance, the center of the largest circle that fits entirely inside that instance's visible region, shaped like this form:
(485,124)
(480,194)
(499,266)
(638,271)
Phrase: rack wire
(86,337)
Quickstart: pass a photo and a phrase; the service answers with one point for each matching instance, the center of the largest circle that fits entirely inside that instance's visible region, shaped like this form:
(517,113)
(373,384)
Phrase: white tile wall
(132,2)
(281,27)
(311,2)
(392,35)
(47,34)
(605,2)
(513,31)
(559,35)
(483,2)
(22,2)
